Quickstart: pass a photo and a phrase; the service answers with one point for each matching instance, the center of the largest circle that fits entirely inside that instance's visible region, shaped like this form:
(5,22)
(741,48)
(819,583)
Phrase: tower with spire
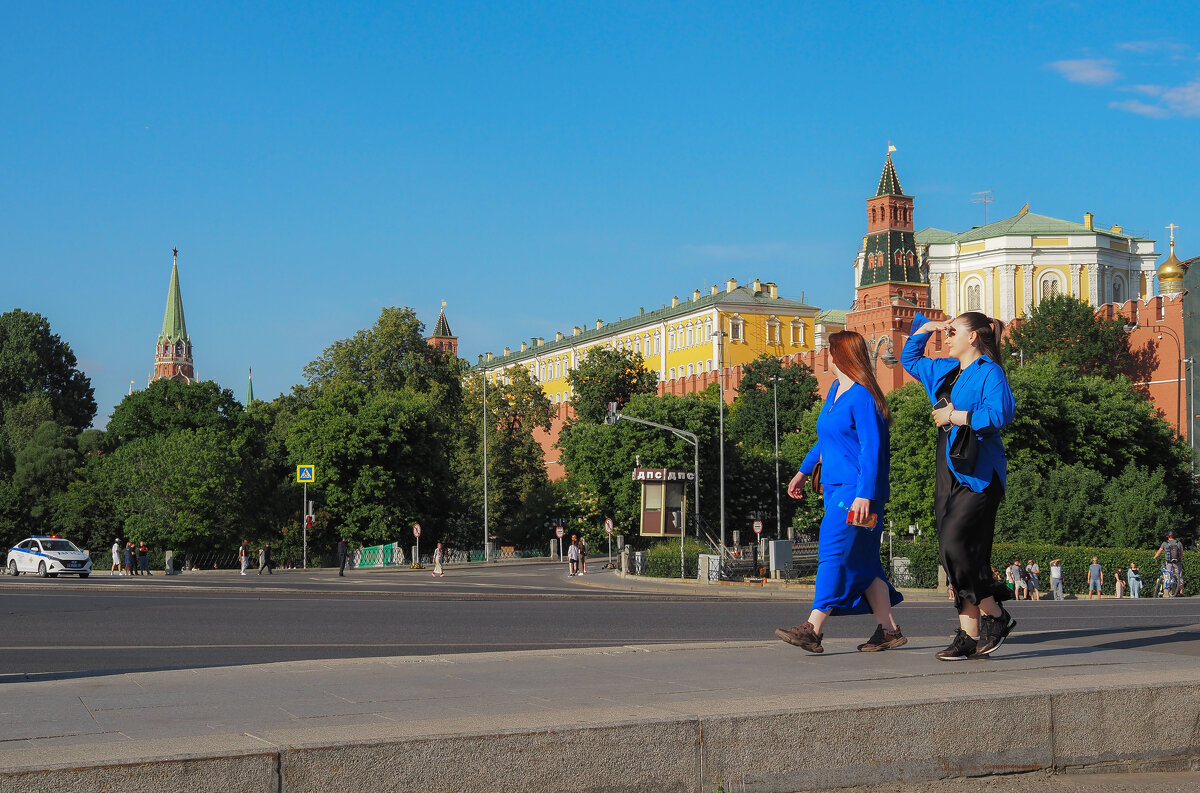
(173,351)
(891,285)
(442,339)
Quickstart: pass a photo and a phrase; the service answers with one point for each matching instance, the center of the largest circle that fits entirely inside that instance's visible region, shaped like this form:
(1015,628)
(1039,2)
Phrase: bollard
(624,562)
(169,563)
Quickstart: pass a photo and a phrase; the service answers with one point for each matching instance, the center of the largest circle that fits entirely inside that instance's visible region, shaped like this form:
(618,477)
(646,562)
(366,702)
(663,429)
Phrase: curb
(795,747)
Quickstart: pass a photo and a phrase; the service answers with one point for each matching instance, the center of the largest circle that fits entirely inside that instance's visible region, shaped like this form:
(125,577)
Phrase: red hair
(849,350)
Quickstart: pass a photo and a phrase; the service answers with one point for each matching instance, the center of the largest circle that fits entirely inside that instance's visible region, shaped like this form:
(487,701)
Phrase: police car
(48,555)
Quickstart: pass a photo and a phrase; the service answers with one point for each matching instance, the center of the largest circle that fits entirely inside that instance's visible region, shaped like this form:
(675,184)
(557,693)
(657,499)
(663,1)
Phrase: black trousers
(966,527)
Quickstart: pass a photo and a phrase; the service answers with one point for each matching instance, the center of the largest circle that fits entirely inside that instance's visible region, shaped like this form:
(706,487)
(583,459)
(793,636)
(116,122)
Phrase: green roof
(249,387)
(174,327)
(442,329)
(889,182)
(1023,223)
(741,297)
(832,316)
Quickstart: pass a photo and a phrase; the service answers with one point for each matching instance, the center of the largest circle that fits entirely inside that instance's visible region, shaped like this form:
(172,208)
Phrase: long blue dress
(853,445)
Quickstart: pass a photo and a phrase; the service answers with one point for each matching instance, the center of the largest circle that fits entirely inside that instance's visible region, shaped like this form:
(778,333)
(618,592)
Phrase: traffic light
(308,522)
(612,416)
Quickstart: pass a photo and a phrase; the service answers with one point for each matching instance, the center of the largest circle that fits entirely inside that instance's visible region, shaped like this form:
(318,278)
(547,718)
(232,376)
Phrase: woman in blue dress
(971,395)
(852,446)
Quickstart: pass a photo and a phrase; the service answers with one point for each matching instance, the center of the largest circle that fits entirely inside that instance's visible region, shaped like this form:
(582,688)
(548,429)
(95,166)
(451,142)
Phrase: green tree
(751,420)
(600,458)
(33,360)
(516,406)
(1070,328)
(391,355)
(180,491)
(167,406)
(794,447)
(43,468)
(380,459)
(607,375)
(913,458)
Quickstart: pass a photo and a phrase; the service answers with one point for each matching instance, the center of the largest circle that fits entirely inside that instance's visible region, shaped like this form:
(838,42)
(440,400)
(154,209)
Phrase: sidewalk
(635,718)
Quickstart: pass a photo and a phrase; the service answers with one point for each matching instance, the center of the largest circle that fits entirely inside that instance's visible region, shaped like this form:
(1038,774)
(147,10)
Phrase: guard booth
(664,500)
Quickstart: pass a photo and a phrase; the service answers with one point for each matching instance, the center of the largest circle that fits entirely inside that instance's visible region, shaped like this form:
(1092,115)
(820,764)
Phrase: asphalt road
(105,625)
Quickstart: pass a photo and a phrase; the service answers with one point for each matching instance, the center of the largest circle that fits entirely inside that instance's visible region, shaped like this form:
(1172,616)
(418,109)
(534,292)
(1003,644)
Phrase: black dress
(966,523)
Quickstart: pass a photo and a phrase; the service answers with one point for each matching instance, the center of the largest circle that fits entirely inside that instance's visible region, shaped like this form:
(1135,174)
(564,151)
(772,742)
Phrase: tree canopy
(1071,329)
(606,375)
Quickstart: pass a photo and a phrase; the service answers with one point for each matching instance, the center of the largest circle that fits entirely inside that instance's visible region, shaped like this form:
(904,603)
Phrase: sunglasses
(950,331)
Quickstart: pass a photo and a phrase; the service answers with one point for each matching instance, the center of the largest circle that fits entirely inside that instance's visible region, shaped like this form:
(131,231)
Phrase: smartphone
(867,522)
(941,403)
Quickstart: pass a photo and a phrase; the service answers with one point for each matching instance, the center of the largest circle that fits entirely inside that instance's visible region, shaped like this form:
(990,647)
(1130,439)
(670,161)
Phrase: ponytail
(990,332)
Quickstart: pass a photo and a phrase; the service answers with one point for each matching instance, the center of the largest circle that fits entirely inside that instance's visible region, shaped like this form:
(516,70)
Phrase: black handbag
(964,450)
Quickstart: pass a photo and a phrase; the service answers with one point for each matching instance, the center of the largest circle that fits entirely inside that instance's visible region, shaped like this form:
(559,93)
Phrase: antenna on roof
(983,197)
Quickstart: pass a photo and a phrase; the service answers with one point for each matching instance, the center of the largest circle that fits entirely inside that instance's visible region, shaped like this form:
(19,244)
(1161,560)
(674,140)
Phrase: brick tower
(173,353)
(442,339)
(891,284)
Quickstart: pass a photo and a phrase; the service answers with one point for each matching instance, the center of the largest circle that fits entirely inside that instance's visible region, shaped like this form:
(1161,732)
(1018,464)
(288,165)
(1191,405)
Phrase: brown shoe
(883,640)
(803,636)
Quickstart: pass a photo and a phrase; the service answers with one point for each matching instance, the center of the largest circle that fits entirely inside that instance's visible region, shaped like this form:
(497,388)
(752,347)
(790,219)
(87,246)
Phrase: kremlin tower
(891,286)
(173,352)
(442,339)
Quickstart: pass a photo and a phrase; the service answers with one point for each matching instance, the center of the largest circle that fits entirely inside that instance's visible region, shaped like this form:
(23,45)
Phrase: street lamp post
(720,334)
(778,508)
(485,468)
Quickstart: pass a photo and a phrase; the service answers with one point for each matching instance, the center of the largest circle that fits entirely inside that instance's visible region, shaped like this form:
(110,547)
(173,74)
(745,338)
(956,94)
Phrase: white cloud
(1140,107)
(1151,46)
(1148,90)
(1184,99)
(1090,71)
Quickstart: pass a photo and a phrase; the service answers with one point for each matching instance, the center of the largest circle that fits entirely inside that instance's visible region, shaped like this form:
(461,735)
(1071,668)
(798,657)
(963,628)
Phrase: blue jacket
(853,445)
(982,389)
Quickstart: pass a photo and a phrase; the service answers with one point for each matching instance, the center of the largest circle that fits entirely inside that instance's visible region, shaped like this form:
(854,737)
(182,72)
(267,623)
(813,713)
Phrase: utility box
(781,555)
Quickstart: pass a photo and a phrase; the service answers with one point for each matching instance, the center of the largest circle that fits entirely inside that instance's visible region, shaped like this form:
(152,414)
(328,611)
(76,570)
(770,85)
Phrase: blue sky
(540,165)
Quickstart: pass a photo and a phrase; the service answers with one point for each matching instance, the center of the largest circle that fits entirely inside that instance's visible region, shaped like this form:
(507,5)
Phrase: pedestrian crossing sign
(306,473)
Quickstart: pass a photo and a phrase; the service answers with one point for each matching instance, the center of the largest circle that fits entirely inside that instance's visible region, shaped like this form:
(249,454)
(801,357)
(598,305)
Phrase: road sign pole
(304,523)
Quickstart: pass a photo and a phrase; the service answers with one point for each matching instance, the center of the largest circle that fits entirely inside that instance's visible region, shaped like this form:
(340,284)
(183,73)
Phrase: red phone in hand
(867,522)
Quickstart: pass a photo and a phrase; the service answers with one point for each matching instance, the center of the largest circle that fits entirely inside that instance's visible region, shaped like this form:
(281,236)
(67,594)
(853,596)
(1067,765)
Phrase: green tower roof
(174,327)
(442,329)
(249,387)
(889,182)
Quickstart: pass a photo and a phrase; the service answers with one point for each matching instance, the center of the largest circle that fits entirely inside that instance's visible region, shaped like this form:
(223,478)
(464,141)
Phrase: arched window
(797,332)
(691,369)
(691,336)
(672,373)
(1050,287)
(637,345)
(974,296)
(773,330)
(179,348)
(736,329)
(670,339)
(1118,290)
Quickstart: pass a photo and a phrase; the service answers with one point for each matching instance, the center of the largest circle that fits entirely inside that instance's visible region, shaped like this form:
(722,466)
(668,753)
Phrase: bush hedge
(662,558)
(923,564)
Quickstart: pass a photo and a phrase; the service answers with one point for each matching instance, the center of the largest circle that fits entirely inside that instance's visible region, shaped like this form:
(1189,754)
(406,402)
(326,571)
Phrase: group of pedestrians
(128,559)
(971,402)
(265,562)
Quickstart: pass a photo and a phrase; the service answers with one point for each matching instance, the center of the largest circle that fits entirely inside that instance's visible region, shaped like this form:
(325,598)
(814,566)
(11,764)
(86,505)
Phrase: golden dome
(1172,269)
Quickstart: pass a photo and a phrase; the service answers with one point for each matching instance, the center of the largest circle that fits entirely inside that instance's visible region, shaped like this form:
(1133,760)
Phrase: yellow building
(678,339)
(1006,268)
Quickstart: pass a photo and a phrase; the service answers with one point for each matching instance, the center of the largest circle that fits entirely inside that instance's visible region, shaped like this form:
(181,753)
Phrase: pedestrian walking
(582,554)
(116,558)
(972,403)
(437,562)
(343,550)
(244,555)
(1134,577)
(1032,573)
(1118,583)
(1095,578)
(573,556)
(852,449)
(1056,585)
(144,559)
(127,558)
(264,560)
